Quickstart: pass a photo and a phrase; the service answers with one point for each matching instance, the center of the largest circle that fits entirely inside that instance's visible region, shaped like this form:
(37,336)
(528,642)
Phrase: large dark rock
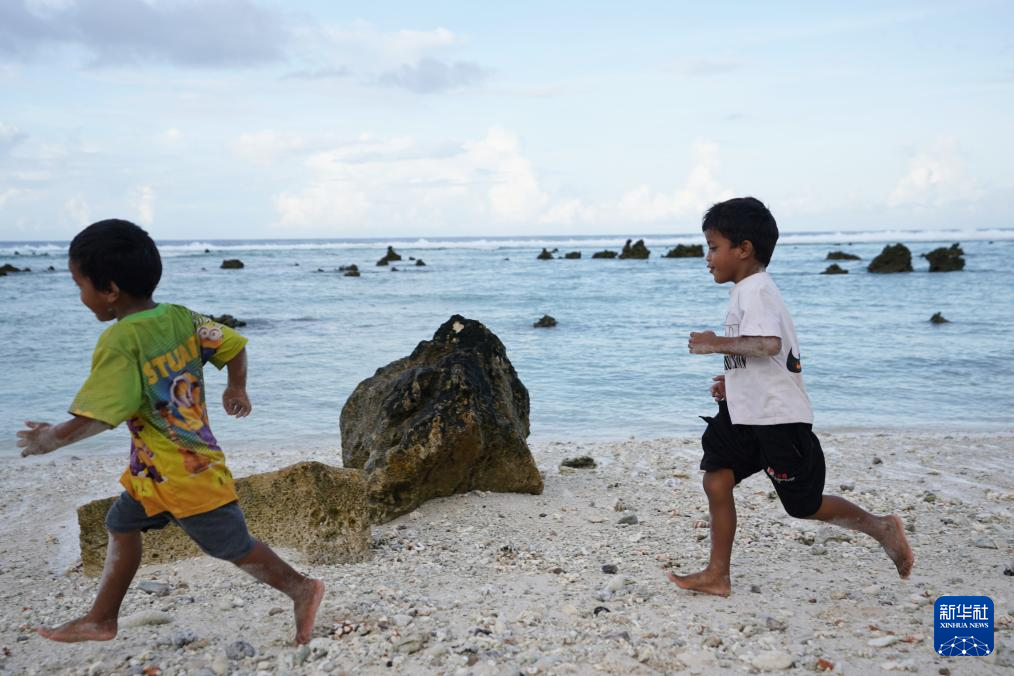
(938,318)
(636,250)
(946,259)
(232,264)
(390,256)
(546,322)
(685,251)
(604,254)
(7,268)
(841,256)
(544,255)
(316,509)
(894,258)
(572,255)
(450,418)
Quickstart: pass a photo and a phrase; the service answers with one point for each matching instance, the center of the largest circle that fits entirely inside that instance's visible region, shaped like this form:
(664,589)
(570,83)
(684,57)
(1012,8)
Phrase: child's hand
(702,343)
(36,440)
(718,388)
(236,402)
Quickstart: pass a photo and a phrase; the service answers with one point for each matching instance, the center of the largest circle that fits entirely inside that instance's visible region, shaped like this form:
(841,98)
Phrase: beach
(486,583)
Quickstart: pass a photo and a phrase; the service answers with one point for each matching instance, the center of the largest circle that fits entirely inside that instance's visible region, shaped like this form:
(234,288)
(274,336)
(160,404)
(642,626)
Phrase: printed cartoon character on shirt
(210,337)
(193,462)
(187,410)
(142,458)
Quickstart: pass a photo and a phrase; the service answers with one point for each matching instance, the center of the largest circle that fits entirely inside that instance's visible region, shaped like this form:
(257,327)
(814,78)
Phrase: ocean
(615,366)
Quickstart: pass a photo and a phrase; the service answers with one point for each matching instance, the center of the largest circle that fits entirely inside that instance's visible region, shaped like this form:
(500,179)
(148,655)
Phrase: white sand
(500,583)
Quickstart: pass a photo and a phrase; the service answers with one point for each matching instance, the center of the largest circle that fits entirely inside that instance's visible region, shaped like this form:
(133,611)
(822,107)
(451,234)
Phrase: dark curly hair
(118,251)
(741,219)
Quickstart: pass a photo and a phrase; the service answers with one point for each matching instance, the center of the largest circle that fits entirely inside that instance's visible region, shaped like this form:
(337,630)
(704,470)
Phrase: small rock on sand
(580,462)
(772,660)
(146,618)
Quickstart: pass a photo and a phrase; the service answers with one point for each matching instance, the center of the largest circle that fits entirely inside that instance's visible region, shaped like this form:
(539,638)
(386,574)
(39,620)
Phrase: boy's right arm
(706,342)
(41,438)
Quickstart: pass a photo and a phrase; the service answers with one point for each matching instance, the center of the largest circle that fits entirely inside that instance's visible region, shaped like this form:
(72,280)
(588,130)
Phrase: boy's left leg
(222,533)
(887,530)
(796,468)
(306,593)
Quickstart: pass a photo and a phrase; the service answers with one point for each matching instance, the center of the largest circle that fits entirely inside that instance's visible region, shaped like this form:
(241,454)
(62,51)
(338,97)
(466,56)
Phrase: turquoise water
(615,366)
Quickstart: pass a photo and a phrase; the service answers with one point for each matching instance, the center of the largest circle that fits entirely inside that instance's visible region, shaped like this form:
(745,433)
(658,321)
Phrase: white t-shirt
(764,390)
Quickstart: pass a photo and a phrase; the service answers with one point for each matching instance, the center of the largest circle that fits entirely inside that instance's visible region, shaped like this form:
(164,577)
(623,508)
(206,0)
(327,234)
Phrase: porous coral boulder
(449,418)
(316,509)
(894,258)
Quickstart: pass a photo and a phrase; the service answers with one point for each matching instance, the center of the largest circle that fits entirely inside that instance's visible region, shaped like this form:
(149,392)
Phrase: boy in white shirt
(764,420)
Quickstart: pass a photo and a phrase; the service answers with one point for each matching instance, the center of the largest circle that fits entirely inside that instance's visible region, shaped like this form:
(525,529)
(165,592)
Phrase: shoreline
(484,583)
(111,446)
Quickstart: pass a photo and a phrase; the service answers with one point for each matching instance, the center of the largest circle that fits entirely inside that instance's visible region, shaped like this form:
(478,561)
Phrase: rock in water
(544,255)
(572,255)
(580,462)
(946,259)
(636,250)
(228,320)
(685,251)
(389,257)
(318,510)
(938,318)
(894,258)
(835,269)
(604,254)
(547,322)
(232,264)
(841,256)
(450,418)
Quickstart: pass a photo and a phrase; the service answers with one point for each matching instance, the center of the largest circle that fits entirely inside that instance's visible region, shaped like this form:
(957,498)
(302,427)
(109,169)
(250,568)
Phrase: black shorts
(789,454)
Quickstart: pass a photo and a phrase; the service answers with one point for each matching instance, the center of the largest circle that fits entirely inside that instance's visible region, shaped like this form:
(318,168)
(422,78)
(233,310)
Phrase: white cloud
(78,209)
(700,191)
(170,137)
(362,40)
(8,194)
(644,204)
(10,136)
(397,181)
(935,177)
(143,203)
(264,147)
(368,183)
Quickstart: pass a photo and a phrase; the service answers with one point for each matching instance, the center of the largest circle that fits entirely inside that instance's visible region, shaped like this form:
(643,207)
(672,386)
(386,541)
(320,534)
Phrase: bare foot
(305,606)
(895,544)
(81,629)
(706,582)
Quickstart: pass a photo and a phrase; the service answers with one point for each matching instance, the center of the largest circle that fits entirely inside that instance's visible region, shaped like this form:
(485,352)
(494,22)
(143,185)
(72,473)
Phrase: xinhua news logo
(963,626)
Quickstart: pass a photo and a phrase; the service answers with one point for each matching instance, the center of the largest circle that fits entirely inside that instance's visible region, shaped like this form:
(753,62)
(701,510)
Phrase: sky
(215,119)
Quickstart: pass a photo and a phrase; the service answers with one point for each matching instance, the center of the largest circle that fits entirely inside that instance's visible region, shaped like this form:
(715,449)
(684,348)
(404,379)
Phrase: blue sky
(258,118)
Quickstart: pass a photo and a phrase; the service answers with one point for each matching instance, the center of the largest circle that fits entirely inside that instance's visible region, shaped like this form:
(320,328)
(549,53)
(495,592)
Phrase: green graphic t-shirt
(148,370)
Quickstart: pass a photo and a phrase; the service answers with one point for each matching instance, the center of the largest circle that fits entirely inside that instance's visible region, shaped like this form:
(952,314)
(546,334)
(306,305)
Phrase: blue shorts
(221,533)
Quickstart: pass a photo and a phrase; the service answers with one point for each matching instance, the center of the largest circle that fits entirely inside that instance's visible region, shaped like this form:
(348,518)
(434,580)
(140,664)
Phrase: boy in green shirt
(147,370)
